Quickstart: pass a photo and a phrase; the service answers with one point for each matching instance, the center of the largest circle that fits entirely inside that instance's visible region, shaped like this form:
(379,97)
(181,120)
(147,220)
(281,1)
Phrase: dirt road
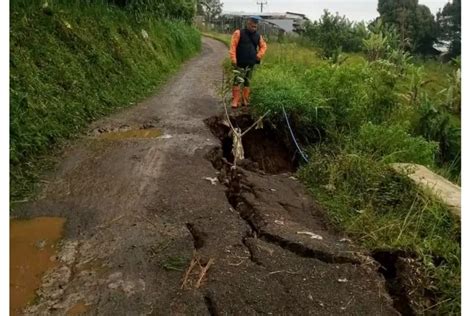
(139,210)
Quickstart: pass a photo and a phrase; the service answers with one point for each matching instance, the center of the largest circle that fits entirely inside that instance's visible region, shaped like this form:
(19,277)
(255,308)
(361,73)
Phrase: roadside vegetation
(357,112)
(72,62)
(355,115)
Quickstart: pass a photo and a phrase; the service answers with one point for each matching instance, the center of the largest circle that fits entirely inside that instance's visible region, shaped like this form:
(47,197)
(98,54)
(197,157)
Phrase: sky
(355,10)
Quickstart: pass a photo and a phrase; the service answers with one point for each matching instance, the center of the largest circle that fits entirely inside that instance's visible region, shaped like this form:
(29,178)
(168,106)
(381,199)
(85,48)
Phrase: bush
(382,78)
(435,123)
(375,46)
(332,32)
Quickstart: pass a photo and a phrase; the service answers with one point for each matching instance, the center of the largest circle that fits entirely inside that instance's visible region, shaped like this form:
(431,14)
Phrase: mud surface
(32,249)
(165,226)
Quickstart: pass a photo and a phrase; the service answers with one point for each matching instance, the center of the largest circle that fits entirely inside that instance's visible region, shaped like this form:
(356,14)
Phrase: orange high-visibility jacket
(262,47)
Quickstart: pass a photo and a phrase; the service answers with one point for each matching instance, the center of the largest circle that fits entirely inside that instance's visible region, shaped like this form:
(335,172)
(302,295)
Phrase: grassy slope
(348,172)
(224,38)
(71,64)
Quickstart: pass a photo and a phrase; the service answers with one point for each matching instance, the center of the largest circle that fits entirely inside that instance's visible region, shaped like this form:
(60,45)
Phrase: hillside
(71,63)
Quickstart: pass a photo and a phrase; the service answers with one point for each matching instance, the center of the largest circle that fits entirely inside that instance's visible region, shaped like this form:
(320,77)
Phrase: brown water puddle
(136,133)
(32,244)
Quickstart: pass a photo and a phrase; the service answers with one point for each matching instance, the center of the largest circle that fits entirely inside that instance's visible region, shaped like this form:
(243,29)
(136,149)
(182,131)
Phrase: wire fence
(228,24)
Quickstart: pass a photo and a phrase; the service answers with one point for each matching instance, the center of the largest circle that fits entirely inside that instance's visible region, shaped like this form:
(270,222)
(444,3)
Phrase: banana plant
(401,59)
(375,46)
(452,93)
(417,82)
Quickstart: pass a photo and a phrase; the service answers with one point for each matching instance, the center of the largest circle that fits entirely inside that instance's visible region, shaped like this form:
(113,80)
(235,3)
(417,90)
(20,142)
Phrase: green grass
(174,263)
(436,74)
(331,96)
(73,63)
(223,38)
(355,118)
(384,210)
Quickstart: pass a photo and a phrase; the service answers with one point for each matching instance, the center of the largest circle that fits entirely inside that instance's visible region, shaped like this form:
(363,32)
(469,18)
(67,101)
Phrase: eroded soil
(166,226)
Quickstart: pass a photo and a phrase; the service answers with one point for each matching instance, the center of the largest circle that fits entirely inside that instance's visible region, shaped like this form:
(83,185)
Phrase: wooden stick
(203,272)
(188,271)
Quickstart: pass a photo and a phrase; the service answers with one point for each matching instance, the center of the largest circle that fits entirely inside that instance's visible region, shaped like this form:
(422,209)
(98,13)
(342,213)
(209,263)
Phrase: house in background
(280,23)
(290,22)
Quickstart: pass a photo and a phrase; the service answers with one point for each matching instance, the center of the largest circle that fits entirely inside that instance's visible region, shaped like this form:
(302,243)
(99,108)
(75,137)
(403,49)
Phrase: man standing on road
(244,55)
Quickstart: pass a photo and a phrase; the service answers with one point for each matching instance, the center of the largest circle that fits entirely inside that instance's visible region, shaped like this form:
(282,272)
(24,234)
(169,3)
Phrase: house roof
(266,15)
(303,16)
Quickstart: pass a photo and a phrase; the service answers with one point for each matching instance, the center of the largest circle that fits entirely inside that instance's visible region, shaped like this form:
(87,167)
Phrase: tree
(333,33)
(449,26)
(415,24)
(210,9)
(397,12)
(424,30)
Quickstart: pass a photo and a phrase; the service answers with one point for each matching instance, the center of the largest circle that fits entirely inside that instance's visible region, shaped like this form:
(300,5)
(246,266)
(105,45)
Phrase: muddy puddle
(130,134)
(32,247)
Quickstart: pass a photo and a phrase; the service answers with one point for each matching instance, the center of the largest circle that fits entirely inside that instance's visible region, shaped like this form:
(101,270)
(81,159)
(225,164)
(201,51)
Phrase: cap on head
(255,18)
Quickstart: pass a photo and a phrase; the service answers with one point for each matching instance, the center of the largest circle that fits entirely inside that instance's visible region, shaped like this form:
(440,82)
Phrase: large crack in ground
(264,148)
(404,281)
(198,235)
(211,305)
(265,143)
(248,213)
(232,177)
(305,252)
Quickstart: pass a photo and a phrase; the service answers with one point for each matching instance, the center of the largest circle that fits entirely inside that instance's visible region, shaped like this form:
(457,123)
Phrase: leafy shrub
(375,46)
(453,92)
(332,32)
(436,124)
(382,78)
(383,42)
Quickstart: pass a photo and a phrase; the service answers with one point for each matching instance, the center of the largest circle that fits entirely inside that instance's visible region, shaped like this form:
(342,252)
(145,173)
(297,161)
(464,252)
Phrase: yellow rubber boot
(246,96)
(235,97)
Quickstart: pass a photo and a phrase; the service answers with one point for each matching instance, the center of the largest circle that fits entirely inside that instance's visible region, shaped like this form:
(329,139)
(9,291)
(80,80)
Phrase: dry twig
(203,272)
